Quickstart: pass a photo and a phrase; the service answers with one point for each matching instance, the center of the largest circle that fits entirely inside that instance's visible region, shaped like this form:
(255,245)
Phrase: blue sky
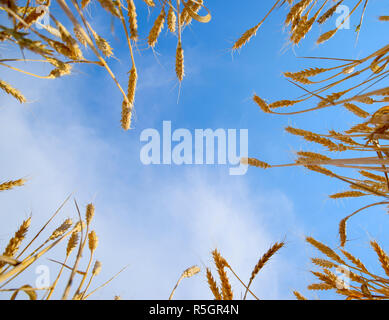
(162,219)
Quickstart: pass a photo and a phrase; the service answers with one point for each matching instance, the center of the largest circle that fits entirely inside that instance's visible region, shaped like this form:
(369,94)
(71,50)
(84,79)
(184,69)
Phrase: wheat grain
(12,184)
(150,3)
(12,91)
(254,163)
(15,242)
(110,7)
(382,256)
(325,250)
(97,268)
(156,29)
(180,62)
(221,263)
(171,20)
(299,296)
(213,286)
(347,194)
(132,19)
(262,104)
(356,110)
(60,231)
(72,243)
(190,272)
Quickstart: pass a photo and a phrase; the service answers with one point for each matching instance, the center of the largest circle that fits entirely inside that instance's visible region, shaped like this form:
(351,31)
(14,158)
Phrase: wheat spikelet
(329,13)
(323,263)
(221,263)
(365,290)
(80,36)
(320,169)
(132,20)
(132,81)
(342,232)
(150,3)
(299,296)
(361,127)
(126,115)
(156,29)
(93,241)
(320,286)
(104,46)
(313,137)
(180,62)
(313,156)
(195,6)
(97,268)
(302,29)
(90,212)
(12,184)
(79,226)
(31,18)
(296,11)
(311,72)
(185,14)
(354,260)
(213,286)
(382,256)
(84,3)
(70,42)
(351,294)
(254,163)
(72,243)
(372,176)
(190,272)
(384,18)
(245,37)
(128,105)
(356,110)
(325,250)
(62,70)
(15,242)
(326,36)
(262,104)
(328,277)
(331,99)
(262,261)
(347,194)
(61,229)
(110,7)
(171,20)
(283,103)
(6,87)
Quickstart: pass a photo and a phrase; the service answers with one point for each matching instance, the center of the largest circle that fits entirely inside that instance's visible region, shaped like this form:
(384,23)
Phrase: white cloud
(158,222)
